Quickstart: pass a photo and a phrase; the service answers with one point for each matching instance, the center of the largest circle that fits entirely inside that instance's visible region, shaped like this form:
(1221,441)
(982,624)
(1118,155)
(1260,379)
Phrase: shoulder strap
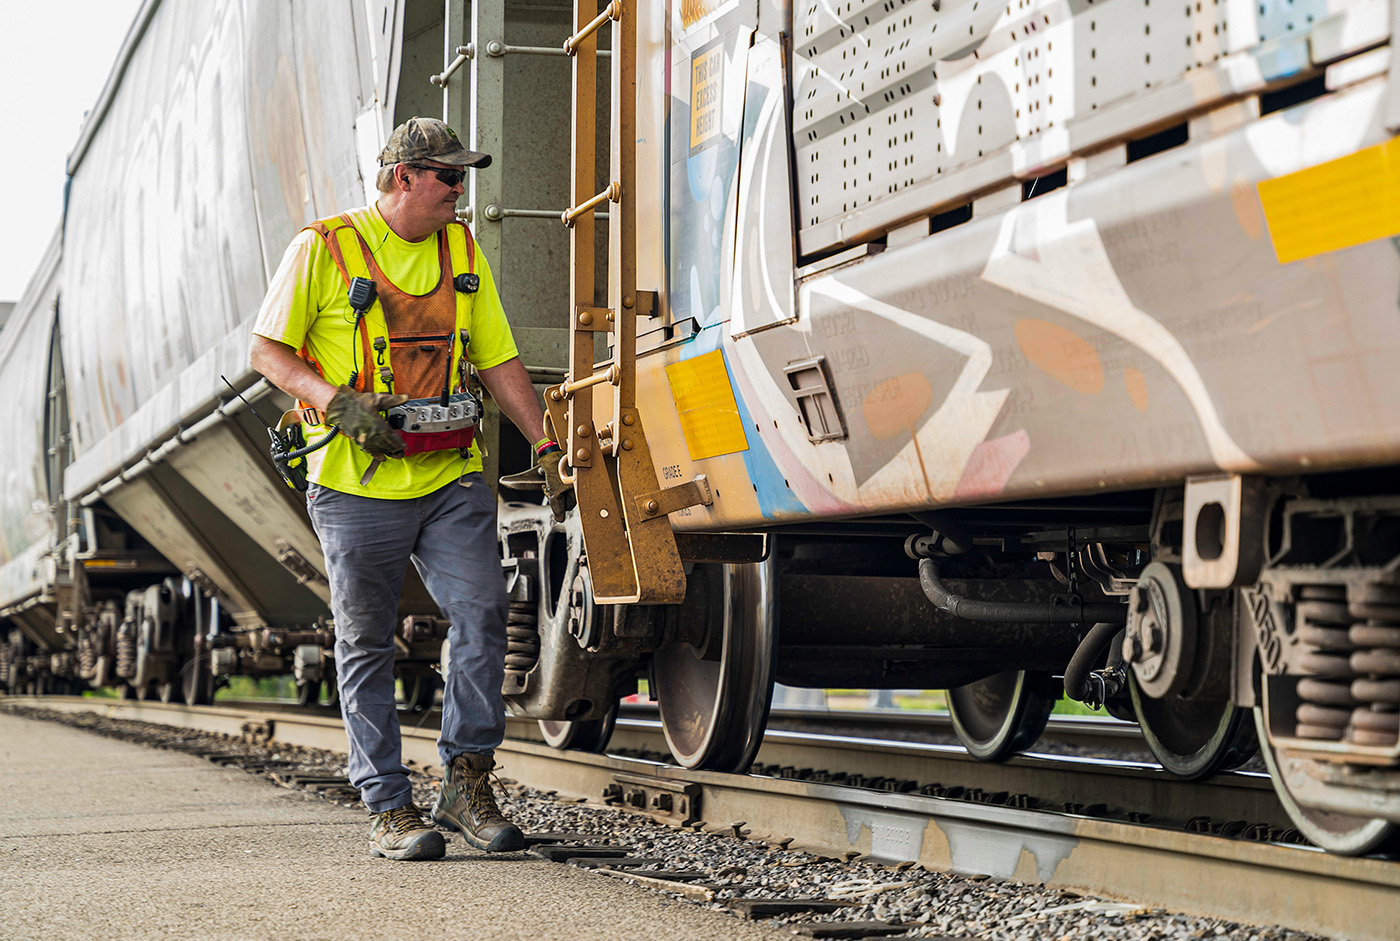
(459,241)
(331,232)
(468,243)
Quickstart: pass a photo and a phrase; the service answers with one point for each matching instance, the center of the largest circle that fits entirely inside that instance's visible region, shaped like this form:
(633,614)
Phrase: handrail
(494,213)
(495,48)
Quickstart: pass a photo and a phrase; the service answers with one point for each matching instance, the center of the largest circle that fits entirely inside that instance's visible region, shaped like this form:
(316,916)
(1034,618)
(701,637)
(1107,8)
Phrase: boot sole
(423,849)
(506,842)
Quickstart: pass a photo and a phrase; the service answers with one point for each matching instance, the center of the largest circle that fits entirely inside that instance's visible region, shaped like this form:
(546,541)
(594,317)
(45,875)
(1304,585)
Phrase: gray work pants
(450,535)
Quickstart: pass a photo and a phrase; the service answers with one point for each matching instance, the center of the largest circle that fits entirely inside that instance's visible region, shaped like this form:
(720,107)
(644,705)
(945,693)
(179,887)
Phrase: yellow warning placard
(1334,205)
(705,401)
(693,11)
(706,84)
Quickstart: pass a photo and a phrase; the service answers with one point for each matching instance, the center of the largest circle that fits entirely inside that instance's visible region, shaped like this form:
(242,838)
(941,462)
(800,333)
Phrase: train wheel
(309,693)
(1194,739)
(714,704)
(1004,714)
(166,691)
(1341,834)
(196,682)
(419,690)
(590,735)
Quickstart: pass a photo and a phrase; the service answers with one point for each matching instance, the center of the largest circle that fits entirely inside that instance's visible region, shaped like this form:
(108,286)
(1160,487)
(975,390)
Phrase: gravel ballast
(877,899)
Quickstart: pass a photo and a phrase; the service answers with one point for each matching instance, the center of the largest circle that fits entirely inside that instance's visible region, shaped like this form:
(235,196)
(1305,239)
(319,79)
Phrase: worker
(434,310)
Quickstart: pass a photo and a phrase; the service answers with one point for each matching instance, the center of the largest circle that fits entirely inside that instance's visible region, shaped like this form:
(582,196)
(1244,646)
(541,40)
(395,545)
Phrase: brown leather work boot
(467,803)
(402,833)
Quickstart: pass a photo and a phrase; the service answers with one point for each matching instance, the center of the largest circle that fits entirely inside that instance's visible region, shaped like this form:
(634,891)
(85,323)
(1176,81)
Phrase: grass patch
(268,687)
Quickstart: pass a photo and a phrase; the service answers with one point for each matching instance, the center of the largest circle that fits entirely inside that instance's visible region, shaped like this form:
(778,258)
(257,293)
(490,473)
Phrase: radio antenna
(250,405)
(447,379)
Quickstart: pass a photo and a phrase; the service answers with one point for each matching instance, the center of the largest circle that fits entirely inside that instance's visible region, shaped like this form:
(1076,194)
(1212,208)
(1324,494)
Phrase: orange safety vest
(423,329)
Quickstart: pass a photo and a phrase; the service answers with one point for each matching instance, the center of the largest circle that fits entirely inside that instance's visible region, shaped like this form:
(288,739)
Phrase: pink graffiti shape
(991,465)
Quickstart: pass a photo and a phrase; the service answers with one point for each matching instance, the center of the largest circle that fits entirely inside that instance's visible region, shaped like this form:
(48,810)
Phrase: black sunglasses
(448,177)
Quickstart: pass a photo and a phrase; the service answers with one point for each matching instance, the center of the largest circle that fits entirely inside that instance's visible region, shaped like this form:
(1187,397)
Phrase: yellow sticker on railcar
(1334,205)
(705,401)
(706,85)
(688,13)
(693,11)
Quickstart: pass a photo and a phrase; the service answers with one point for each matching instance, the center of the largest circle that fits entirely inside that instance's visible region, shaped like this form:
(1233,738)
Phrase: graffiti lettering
(838,324)
(852,357)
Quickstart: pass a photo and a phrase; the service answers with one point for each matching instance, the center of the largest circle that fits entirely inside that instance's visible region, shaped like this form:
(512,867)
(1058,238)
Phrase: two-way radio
(287,443)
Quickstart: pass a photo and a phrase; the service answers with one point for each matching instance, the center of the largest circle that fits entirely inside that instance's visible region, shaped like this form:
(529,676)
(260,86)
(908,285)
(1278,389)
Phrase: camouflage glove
(560,499)
(357,415)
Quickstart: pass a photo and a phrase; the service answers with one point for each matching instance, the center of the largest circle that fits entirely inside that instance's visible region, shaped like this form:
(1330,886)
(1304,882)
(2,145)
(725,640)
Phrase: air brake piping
(1014,612)
(1079,684)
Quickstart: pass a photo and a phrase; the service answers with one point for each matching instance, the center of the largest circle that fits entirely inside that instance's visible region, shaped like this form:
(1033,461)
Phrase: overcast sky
(53,62)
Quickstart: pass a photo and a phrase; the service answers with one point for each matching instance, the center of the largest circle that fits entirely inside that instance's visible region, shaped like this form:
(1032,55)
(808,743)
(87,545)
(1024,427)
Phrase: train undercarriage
(1235,613)
(1232,614)
(1101,313)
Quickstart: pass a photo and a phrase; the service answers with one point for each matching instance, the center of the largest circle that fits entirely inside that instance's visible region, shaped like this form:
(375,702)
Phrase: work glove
(357,415)
(555,488)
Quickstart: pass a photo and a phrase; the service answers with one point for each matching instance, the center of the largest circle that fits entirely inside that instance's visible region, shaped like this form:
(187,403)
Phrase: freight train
(1010,349)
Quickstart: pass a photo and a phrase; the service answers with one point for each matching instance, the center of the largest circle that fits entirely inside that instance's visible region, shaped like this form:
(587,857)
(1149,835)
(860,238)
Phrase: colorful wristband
(544,446)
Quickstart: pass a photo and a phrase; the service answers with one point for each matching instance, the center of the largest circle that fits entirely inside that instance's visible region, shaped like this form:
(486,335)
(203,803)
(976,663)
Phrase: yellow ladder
(632,556)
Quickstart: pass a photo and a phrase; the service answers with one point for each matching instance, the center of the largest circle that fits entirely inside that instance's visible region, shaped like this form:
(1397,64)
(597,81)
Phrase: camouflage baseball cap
(429,139)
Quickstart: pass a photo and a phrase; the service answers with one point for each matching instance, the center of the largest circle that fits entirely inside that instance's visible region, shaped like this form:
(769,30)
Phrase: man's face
(428,198)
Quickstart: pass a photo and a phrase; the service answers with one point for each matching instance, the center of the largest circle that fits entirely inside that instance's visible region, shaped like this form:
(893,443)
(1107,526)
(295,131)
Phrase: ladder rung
(612,194)
(463,54)
(613,11)
(611,374)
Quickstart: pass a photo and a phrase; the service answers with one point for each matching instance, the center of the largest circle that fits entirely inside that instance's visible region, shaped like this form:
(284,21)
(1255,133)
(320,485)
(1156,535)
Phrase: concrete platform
(107,840)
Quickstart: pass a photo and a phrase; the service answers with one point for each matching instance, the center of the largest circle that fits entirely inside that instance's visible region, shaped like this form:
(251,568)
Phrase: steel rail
(1092,732)
(1302,888)
(1109,789)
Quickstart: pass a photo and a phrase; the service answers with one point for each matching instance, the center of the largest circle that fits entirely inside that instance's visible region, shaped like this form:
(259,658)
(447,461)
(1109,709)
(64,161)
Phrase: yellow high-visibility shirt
(307,306)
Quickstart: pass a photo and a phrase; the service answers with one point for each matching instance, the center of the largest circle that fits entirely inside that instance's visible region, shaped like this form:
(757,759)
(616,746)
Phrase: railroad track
(1204,847)
(1102,734)
(1097,733)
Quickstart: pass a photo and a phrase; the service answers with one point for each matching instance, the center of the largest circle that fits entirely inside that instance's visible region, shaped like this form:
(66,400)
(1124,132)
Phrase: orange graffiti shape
(1061,354)
(1137,387)
(895,406)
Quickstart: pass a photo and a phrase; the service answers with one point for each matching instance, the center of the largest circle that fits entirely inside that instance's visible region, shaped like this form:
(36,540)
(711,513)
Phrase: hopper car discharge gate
(631,547)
